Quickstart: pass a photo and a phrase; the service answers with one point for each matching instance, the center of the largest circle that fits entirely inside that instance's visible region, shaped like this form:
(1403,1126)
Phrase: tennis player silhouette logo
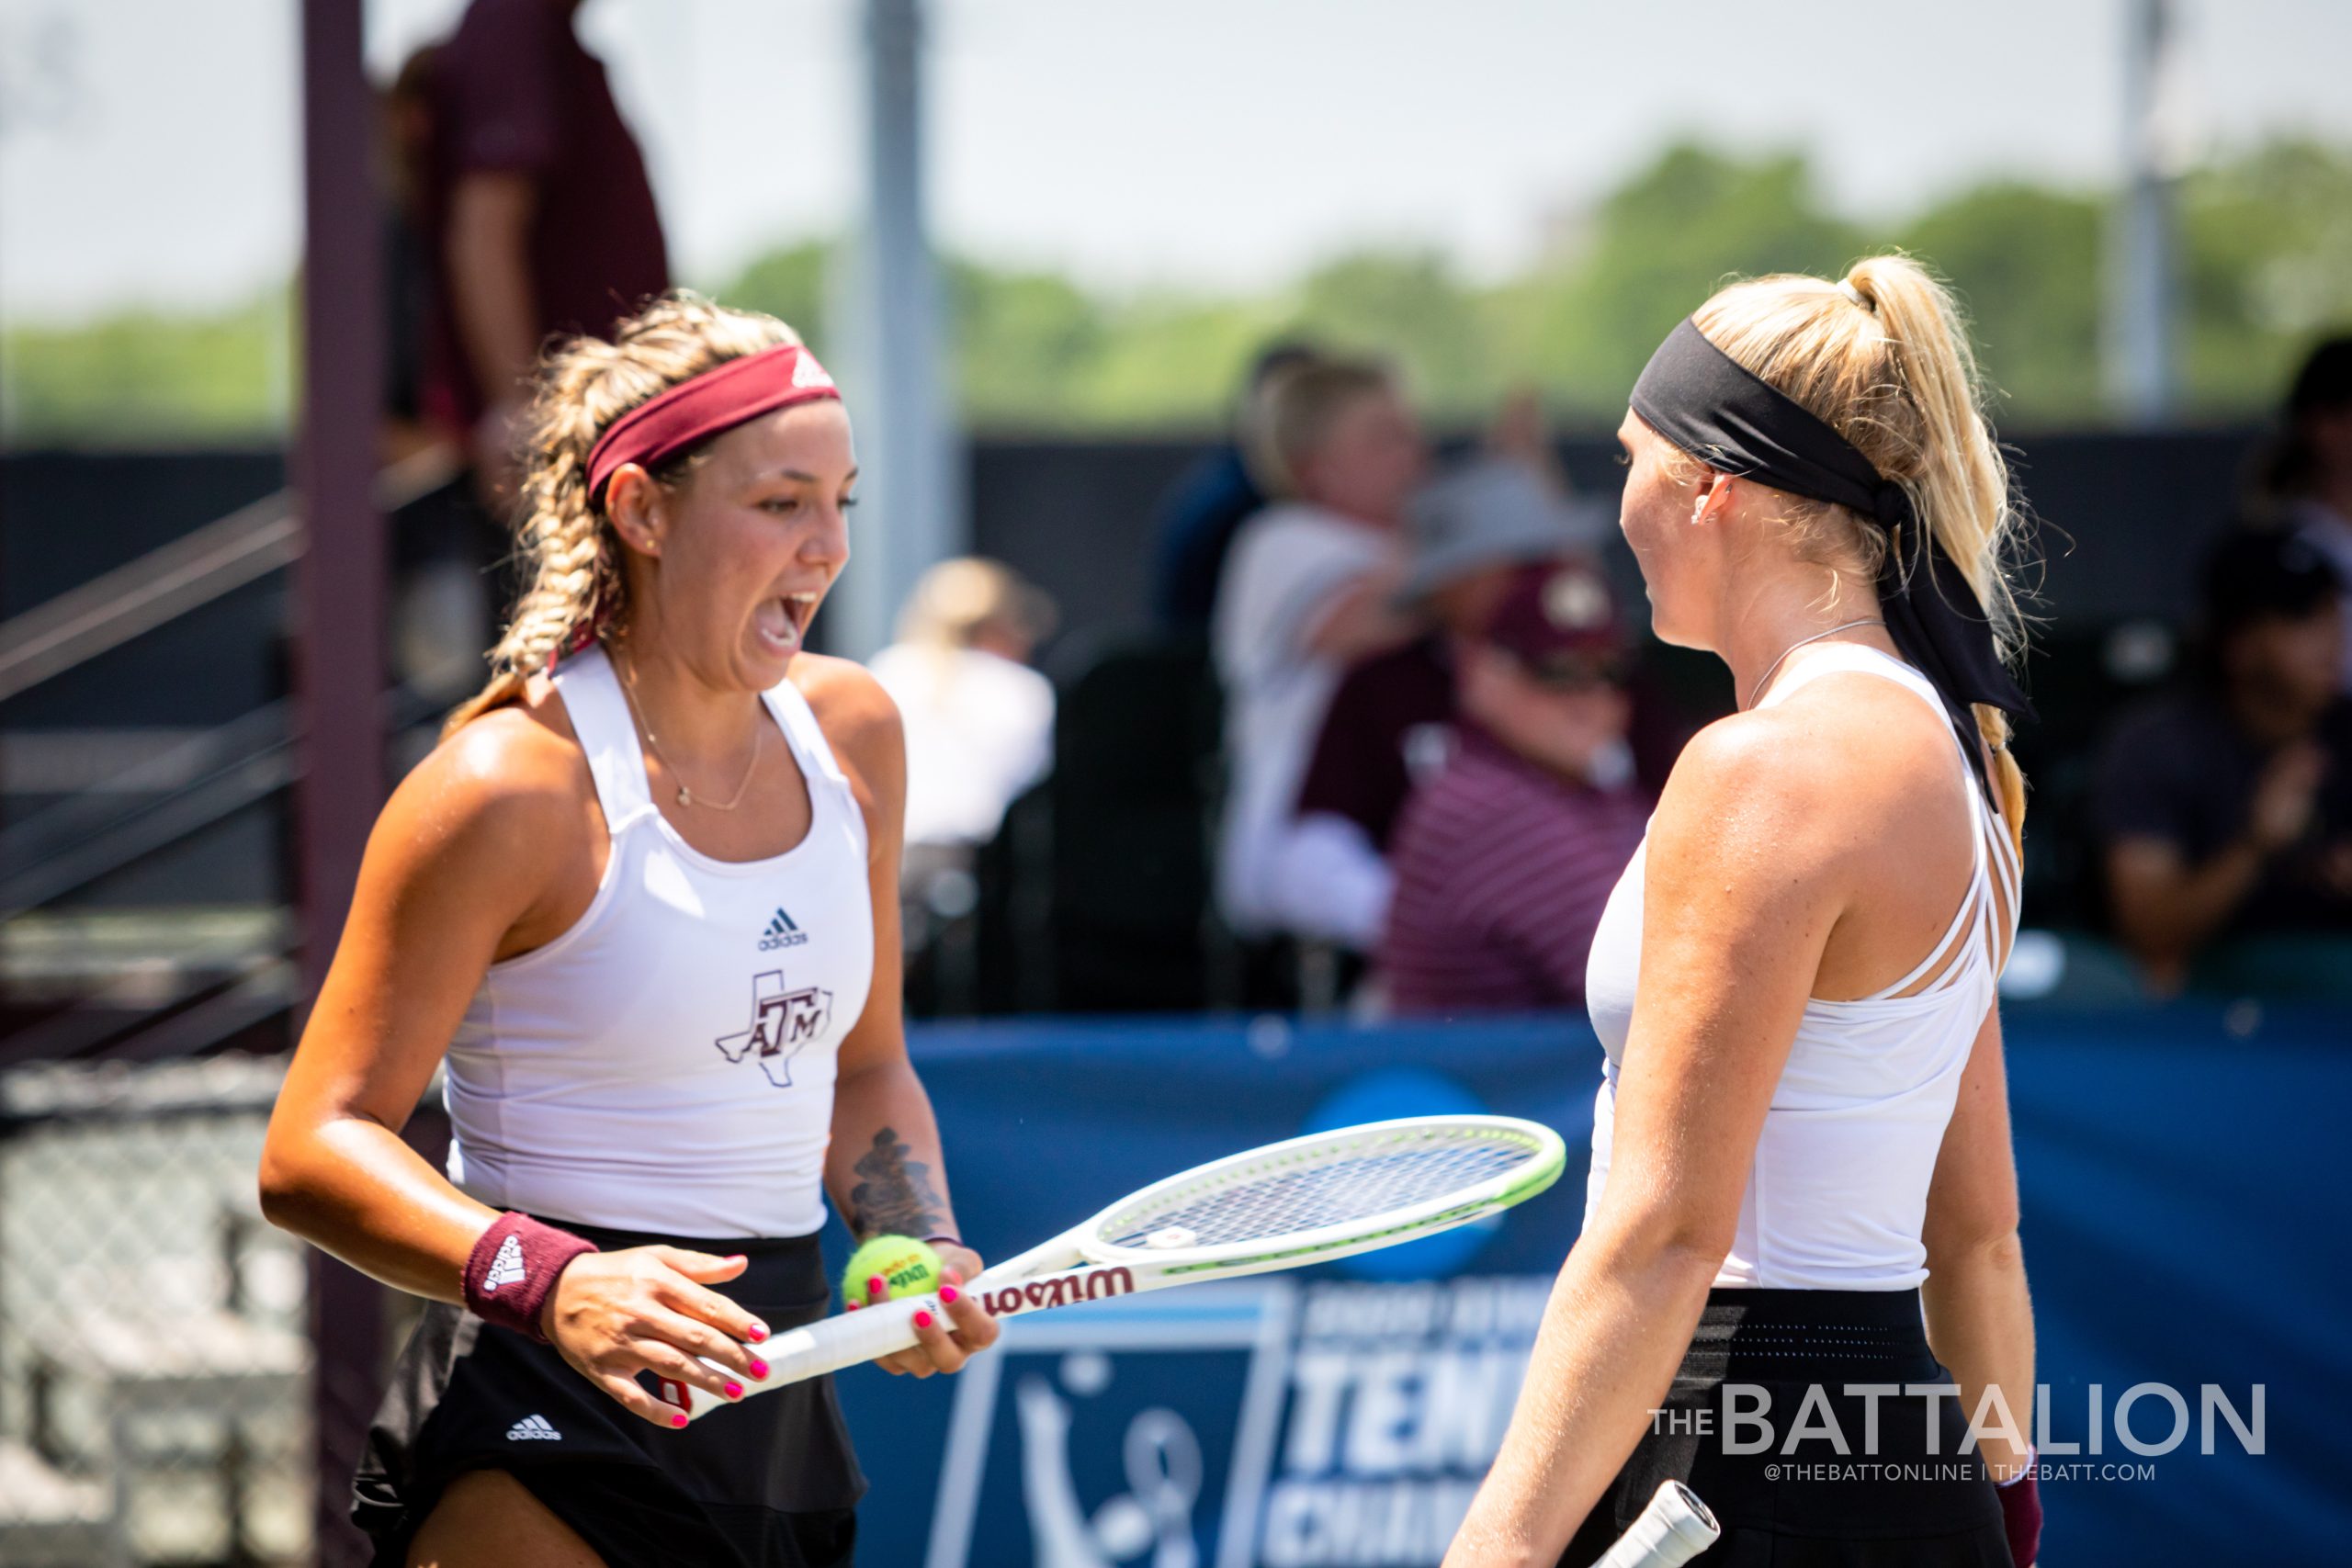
(782,1022)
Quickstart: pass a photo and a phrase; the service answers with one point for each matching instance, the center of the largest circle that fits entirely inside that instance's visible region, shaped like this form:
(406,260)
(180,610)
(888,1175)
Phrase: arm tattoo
(894,1195)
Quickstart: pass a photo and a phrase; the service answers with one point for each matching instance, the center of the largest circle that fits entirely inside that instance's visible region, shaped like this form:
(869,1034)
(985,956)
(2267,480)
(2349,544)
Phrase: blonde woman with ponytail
(642,903)
(1799,1287)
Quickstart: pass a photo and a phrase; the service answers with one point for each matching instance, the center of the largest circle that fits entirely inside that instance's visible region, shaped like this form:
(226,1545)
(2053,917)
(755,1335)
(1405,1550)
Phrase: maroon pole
(339,646)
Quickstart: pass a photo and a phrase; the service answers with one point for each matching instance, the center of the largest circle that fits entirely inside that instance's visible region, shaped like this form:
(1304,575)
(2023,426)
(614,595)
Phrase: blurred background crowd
(1266,642)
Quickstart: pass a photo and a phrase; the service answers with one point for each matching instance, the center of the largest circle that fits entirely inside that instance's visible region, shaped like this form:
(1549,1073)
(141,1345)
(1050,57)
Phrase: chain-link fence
(155,1371)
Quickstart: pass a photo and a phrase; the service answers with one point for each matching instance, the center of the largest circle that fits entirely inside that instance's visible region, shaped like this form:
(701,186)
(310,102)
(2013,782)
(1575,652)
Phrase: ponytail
(1884,359)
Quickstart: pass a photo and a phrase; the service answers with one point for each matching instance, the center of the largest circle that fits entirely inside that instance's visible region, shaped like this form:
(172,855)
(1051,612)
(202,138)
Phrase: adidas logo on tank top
(506,1268)
(532,1428)
(781,934)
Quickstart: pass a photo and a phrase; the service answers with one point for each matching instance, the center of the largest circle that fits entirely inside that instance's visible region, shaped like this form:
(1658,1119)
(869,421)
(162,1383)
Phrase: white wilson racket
(1284,1206)
(1673,1529)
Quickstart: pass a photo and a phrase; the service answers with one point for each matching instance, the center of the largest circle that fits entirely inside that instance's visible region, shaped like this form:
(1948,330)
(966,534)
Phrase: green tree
(2024,262)
(2266,267)
(143,377)
(2265,254)
(1409,307)
(790,283)
(1661,244)
(1026,346)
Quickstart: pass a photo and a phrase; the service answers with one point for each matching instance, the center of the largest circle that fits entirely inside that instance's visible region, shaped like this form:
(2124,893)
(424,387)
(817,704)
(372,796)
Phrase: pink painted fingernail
(759,1368)
(734,1391)
(852,1306)
(877,1286)
(679,1419)
(759,1332)
(923,1320)
(949,1294)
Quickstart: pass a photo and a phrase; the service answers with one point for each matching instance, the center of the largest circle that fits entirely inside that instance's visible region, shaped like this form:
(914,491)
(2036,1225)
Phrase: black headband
(1718,411)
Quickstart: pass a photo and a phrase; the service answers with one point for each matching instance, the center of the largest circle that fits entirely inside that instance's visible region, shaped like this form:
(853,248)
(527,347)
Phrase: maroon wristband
(2021,1516)
(513,1270)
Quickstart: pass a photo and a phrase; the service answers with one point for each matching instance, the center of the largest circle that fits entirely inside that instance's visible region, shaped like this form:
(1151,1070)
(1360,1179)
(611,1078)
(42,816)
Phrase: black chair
(1137,770)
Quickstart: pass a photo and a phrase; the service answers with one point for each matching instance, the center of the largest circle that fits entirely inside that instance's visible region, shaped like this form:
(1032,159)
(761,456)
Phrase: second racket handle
(1673,1529)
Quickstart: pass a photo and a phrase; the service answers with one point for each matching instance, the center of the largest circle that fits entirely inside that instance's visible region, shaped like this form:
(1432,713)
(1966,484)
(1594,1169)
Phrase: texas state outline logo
(782,1022)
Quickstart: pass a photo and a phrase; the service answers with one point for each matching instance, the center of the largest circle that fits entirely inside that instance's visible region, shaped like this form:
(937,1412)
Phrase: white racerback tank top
(1837,1192)
(666,1065)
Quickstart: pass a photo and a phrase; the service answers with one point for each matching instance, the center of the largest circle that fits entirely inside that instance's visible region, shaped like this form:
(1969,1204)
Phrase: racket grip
(831,1343)
(1673,1529)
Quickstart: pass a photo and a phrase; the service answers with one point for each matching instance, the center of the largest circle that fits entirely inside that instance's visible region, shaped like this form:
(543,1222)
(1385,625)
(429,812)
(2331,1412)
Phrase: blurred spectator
(1390,723)
(1505,860)
(1308,588)
(1209,503)
(405,142)
(2311,477)
(980,722)
(542,218)
(443,615)
(2228,809)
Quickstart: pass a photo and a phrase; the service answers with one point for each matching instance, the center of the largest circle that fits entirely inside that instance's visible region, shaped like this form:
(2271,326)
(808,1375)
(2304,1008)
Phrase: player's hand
(649,1309)
(945,1346)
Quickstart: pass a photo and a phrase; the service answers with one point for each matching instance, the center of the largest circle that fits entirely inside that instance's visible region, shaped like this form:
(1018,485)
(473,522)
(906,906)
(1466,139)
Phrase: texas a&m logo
(782,1022)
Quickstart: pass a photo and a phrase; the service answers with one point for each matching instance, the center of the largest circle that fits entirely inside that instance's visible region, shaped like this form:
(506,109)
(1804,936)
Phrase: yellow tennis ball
(910,1268)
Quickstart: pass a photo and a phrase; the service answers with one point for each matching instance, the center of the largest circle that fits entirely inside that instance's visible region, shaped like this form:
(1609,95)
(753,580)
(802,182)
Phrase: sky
(150,154)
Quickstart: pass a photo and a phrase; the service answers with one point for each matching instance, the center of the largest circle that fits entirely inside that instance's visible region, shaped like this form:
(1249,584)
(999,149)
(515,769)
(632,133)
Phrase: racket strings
(1283,1201)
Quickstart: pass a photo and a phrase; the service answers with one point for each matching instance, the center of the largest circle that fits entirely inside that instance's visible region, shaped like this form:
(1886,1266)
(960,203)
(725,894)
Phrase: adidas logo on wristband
(506,1268)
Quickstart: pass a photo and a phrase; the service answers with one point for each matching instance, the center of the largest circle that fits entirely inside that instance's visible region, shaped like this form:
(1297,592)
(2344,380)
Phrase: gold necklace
(1772,669)
(685,796)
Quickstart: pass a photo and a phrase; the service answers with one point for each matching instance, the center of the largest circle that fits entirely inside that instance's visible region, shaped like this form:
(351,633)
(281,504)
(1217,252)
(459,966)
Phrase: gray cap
(1490,513)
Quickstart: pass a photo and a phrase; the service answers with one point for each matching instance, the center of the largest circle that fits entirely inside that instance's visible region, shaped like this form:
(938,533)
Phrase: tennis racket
(1673,1529)
(1284,1206)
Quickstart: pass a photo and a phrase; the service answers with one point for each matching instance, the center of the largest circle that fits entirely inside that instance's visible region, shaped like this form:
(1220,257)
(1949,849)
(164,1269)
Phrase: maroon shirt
(1502,870)
(1393,711)
(515,92)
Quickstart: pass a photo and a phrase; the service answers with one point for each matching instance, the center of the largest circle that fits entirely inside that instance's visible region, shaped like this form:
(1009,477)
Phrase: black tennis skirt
(1913,1499)
(770,1483)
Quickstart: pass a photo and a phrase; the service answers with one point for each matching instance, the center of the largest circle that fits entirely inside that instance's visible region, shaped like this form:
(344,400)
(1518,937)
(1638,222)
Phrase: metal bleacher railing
(169,797)
(155,1371)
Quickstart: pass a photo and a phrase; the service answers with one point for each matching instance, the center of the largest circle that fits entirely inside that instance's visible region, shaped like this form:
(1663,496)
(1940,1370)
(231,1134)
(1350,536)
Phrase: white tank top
(666,1065)
(1838,1189)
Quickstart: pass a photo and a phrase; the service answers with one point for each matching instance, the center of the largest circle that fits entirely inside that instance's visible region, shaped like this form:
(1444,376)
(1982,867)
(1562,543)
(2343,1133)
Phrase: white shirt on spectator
(1288,567)
(980,730)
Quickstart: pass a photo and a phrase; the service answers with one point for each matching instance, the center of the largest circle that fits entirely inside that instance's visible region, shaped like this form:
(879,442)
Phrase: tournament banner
(2181,1212)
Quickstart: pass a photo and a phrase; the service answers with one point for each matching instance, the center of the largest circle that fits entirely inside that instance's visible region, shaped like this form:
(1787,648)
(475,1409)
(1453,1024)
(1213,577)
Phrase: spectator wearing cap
(1390,724)
(2310,477)
(1505,860)
(2227,810)
(1308,588)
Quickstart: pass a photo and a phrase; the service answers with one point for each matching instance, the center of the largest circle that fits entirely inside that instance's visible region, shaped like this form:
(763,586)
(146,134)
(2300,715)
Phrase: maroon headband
(699,409)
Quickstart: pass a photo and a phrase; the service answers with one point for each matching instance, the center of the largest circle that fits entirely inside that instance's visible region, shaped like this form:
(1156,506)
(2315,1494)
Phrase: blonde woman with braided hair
(1799,1288)
(642,902)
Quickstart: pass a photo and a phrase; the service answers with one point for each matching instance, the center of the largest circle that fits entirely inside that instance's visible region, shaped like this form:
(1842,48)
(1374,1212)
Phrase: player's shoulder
(1754,781)
(514,776)
(857,714)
